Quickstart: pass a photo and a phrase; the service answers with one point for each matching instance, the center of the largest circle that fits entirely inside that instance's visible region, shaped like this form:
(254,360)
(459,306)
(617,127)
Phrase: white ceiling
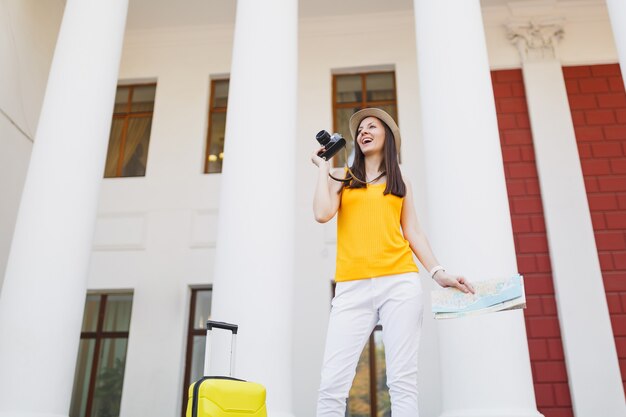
(150,14)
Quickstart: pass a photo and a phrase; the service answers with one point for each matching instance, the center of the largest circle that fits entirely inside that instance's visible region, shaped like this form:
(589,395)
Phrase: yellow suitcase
(225,396)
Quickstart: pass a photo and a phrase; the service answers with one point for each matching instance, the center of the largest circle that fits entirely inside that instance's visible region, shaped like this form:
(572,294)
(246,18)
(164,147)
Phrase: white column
(617,14)
(256,237)
(485,365)
(43,296)
(590,355)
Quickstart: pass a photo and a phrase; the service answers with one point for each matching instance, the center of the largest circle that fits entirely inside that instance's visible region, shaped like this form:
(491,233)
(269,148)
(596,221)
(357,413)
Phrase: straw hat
(358,117)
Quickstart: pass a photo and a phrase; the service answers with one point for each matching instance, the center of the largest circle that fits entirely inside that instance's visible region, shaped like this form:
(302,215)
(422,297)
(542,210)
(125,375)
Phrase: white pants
(357,307)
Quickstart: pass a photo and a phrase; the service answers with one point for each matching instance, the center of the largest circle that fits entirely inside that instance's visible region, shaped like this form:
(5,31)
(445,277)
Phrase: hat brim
(358,117)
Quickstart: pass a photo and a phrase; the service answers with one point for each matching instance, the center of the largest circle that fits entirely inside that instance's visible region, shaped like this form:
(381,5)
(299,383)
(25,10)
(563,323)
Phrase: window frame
(212,109)
(364,102)
(100,335)
(126,116)
(191,332)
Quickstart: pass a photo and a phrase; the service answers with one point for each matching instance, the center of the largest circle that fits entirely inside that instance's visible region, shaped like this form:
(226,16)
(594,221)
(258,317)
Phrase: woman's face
(370,136)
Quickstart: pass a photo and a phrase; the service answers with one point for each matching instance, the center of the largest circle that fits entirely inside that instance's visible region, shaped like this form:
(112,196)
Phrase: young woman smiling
(377,234)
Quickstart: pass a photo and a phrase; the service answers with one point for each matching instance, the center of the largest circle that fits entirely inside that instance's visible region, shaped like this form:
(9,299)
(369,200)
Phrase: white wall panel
(120,231)
(203,230)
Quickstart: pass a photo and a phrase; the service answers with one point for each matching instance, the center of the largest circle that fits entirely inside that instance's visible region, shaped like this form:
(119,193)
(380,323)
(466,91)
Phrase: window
(101,356)
(353,92)
(369,395)
(130,131)
(217,126)
(199,313)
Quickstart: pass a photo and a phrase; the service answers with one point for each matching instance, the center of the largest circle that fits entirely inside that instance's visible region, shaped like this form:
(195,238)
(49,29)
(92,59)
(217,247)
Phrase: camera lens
(323,137)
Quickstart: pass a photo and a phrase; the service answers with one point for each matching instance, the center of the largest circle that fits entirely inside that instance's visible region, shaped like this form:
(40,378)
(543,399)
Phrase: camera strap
(352,176)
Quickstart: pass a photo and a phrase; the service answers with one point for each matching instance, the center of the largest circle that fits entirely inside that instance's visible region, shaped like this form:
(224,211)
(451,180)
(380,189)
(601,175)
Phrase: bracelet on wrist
(435,270)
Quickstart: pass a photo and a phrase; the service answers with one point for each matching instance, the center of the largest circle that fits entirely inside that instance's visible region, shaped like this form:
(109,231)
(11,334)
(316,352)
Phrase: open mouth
(367,140)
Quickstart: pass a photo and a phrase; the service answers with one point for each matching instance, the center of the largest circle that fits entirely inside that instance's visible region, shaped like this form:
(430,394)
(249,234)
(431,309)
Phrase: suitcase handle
(210,324)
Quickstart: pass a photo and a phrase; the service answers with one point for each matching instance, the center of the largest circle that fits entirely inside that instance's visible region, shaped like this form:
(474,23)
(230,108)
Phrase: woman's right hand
(448,280)
(327,196)
(318,161)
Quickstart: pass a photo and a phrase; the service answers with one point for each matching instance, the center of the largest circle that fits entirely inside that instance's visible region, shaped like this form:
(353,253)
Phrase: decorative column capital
(536,40)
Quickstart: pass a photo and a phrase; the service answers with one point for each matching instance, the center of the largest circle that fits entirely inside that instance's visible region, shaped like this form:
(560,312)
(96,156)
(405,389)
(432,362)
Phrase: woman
(377,280)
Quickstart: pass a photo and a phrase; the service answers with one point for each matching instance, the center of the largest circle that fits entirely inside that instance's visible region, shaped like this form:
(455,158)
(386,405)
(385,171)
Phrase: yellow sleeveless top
(370,242)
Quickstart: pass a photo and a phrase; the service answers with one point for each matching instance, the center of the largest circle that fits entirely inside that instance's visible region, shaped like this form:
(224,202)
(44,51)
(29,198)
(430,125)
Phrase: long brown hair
(395,183)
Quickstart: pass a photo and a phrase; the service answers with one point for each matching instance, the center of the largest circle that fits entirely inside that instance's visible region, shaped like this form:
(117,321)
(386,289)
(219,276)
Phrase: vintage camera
(331,143)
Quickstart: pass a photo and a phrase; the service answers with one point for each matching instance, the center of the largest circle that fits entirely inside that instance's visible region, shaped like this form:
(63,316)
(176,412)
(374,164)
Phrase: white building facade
(513,117)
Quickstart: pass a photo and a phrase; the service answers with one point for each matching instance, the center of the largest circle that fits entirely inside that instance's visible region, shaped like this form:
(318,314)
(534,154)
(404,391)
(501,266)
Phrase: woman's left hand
(448,280)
